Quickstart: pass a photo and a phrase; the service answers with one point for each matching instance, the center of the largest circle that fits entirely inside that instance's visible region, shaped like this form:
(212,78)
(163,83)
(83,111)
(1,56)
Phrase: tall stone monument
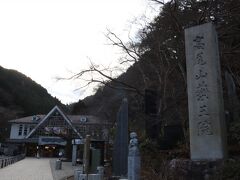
(205,100)
(120,151)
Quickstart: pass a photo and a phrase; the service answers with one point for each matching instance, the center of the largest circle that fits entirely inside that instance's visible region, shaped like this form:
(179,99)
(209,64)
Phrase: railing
(10,160)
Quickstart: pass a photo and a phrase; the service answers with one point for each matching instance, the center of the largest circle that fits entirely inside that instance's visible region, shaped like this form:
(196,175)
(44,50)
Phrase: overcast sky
(48,38)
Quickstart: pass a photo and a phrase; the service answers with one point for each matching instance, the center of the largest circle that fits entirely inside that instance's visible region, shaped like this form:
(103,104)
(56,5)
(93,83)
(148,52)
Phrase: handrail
(10,160)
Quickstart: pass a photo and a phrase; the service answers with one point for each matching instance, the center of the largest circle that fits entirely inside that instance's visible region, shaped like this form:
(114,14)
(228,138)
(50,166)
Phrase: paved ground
(28,169)
(37,169)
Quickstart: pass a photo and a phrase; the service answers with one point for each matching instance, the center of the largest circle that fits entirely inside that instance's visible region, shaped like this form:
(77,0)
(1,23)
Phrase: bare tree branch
(159,2)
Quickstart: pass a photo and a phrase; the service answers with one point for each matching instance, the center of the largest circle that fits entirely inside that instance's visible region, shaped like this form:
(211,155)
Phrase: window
(82,129)
(30,128)
(20,129)
(25,130)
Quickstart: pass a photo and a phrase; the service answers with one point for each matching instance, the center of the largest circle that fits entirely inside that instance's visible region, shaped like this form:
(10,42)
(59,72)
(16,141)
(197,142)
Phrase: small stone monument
(120,151)
(58,164)
(134,161)
(205,100)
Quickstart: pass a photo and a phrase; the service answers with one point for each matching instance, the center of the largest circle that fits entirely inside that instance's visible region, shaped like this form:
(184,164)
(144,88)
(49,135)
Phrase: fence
(10,160)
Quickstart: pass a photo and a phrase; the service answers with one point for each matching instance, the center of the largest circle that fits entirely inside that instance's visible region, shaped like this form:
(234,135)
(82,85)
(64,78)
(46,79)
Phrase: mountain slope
(160,52)
(21,96)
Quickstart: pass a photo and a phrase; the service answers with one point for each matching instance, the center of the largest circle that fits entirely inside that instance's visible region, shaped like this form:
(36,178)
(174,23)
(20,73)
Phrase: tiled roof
(75,119)
(28,119)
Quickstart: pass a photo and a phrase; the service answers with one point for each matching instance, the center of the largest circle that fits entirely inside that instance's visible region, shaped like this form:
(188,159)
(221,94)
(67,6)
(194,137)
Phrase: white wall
(15,130)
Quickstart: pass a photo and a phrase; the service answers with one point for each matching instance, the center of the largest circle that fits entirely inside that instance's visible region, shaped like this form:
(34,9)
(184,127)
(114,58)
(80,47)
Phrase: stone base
(78,176)
(117,178)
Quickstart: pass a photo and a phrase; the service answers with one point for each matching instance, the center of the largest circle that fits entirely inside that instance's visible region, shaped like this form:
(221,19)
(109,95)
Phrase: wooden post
(87,154)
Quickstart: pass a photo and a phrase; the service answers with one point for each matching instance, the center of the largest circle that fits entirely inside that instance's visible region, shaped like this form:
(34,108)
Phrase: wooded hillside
(20,96)
(160,67)
(156,85)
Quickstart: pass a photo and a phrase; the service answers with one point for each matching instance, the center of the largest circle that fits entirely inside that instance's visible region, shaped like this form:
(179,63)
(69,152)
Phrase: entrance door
(50,150)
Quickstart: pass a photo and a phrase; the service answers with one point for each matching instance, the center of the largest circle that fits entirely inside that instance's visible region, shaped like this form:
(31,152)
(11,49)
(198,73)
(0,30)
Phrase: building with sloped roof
(49,134)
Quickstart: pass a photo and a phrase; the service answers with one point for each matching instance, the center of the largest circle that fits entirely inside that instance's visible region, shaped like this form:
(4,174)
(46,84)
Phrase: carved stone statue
(134,162)
(133,145)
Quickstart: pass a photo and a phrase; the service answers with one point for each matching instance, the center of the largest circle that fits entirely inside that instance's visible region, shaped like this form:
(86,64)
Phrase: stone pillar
(120,151)
(134,162)
(58,164)
(74,154)
(205,100)
(86,154)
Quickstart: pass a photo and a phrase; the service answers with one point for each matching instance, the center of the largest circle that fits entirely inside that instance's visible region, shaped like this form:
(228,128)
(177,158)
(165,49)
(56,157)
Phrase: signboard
(77,141)
(56,130)
(44,140)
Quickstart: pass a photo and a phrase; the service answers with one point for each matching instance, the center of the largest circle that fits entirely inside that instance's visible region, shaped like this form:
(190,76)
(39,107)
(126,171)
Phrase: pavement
(28,169)
(37,169)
